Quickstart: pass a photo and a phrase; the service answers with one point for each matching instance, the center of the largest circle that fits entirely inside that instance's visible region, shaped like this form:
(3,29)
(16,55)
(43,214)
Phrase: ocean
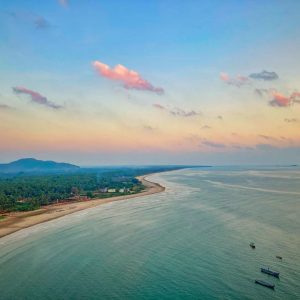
(189,242)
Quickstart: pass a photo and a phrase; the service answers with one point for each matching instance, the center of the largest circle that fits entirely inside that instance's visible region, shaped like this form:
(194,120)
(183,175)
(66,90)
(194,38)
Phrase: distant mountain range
(31,165)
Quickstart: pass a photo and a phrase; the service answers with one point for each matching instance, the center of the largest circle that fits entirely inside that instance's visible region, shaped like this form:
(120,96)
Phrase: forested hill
(31,165)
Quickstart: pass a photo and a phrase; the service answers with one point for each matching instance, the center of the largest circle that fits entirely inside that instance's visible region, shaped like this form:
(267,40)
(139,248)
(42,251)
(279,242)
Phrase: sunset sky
(150,82)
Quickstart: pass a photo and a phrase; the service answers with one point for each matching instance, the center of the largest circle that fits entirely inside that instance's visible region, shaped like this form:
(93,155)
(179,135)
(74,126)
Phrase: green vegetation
(22,192)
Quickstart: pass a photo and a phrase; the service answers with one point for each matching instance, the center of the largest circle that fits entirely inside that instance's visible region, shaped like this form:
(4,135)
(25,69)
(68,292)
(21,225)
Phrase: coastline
(16,221)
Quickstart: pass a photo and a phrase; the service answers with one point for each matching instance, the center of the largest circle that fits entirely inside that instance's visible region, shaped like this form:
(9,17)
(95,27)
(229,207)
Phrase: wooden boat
(264,283)
(269,272)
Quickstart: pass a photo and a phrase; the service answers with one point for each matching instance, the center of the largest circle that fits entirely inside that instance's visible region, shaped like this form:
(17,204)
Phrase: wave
(251,188)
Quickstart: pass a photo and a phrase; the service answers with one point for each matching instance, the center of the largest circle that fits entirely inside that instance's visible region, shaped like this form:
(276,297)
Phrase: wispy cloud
(183,113)
(63,2)
(236,81)
(159,106)
(267,137)
(205,127)
(264,92)
(242,80)
(264,75)
(295,97)
(130,79)
(239,147)
(291,120)
(41,23)
(176,111)
(212,144)
(36,97)
(5,107)
(38,21)
(149,128)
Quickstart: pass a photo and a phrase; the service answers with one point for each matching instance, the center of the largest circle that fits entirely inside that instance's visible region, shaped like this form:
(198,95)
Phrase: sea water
(189,242)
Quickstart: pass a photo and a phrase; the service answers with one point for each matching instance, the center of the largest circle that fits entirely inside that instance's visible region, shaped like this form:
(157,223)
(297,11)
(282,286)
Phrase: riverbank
(19,220)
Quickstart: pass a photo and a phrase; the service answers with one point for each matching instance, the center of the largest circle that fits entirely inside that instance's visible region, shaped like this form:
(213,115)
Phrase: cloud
(182,113)
(264,92)
(295,97)
(130,79)
(36,97)
(237,81)
(178,112)
(247,148)
(292,120)
(159,106)
(213,144)
(149,128)
(63,2)
(281,100)
(41,23)
(267,137)
(224,76)
(5,107)
(264,75)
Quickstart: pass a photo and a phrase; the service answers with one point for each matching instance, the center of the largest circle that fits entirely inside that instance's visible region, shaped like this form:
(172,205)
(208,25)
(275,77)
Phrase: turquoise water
(190,242)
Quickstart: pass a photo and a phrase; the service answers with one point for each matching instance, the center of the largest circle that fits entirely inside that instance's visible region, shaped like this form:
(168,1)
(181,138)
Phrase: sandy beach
(19,220)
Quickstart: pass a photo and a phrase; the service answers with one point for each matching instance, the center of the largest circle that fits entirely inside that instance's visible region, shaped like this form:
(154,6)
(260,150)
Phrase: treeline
(21,192)
(30,192)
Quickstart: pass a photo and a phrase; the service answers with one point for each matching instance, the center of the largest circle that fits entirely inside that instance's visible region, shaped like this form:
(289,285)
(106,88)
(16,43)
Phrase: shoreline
(16,221)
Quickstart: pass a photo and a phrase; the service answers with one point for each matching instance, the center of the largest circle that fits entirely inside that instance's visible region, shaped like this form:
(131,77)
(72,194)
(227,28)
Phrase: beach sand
(15,221)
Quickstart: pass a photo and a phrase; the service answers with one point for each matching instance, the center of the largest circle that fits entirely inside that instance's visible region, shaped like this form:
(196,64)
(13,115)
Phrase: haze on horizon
(150,82)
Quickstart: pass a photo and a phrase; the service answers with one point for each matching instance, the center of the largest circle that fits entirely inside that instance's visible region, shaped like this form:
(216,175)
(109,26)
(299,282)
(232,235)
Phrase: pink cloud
(281,100)
(242,78)
(295,97)
(224,76)
(130,79)
(36,97)
(238,81)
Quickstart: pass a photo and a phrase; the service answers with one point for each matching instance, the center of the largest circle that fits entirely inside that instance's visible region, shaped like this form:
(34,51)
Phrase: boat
(264,283)
(279,257)
(269,272)
(252,245)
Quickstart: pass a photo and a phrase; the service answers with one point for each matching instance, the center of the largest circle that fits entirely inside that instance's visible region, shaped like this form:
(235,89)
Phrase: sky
(150,82)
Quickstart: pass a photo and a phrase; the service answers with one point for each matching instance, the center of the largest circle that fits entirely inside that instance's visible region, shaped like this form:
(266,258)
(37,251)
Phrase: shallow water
(190,242)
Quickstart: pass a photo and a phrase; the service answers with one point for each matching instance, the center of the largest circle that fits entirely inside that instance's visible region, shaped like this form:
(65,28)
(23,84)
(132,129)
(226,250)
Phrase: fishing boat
(264,283)
(279,257)
(269,272)
(252,245)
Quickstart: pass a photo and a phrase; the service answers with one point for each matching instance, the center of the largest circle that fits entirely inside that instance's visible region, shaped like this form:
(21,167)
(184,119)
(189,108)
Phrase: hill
(31,165)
